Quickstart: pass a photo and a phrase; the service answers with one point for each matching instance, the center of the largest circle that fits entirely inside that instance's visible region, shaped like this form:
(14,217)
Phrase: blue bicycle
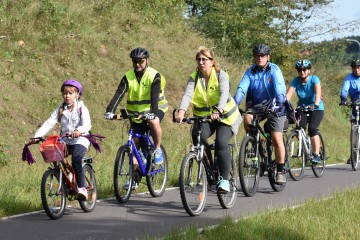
(126,176)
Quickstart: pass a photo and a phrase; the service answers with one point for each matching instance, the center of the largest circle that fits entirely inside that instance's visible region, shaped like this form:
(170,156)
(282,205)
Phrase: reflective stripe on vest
(204,99)
(139,95)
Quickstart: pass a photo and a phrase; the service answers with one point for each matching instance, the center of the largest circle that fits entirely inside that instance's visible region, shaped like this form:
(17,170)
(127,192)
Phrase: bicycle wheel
(272,171)
(249,167)
(295,163)
(355,147)
(156,177)
(90,184)
(193,184)
(227,200)
(53,194)
(318,168)
(123,174)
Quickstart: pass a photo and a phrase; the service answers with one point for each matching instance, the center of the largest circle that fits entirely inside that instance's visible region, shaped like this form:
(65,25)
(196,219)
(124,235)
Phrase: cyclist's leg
(78,152)
(140,128)
(276,127)
(222,151)
(314,122)
(207,130)
(155,128)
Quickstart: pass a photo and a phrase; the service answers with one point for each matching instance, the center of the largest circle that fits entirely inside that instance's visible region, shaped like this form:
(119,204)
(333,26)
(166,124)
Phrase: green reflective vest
(139,94)
(204,99)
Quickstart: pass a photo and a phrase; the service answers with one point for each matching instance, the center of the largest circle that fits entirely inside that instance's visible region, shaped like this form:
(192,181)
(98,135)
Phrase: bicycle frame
(255,124)
(200,149)
(134,152)
(304,139)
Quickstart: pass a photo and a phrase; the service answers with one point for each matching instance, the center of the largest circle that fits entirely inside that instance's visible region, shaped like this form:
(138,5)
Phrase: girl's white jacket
(77,119)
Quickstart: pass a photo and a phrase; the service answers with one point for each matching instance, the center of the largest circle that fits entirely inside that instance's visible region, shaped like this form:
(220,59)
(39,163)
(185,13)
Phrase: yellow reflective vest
(203,99)
(139,94)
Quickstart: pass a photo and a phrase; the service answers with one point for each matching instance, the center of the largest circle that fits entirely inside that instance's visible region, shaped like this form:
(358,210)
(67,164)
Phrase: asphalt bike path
(145,216)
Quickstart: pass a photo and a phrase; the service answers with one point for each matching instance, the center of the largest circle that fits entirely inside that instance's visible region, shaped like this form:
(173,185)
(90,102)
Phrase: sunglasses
(202,59)
(302,69)
(138,61)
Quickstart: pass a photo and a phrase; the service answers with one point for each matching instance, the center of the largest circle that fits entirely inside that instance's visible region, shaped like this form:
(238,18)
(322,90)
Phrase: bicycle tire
(90,185)
(354,147)
(123,173)
(318,168)
(193,184)
(156,176)
(272,171)
(295,164)
(53,199)
(249,166)
(227,200)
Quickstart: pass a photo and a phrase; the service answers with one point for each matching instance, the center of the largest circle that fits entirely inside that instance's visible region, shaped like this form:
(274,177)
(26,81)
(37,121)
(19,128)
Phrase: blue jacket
(262,88)
(351,86)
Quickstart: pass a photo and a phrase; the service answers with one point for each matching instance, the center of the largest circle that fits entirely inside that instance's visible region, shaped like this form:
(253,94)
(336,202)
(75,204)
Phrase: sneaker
(280,178)
(223,186)
(82,194)
(135,185)
(316,159)
(159,158)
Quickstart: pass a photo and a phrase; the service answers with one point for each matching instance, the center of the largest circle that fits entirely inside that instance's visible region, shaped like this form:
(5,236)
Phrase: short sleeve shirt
(306,92)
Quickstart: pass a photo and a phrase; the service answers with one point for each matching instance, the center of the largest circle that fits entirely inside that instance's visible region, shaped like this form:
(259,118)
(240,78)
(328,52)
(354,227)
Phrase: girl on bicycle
(208,90)
(74,118)
(308,90)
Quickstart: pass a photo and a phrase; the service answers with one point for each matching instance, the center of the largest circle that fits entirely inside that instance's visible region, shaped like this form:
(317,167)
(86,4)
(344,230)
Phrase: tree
(237,25)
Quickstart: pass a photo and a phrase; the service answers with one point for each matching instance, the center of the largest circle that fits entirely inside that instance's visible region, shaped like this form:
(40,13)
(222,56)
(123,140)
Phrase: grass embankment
(91,41)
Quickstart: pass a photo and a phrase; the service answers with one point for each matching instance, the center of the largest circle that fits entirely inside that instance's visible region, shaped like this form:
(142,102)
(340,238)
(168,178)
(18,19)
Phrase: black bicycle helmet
(139,53)
(261,49)
(301,64)
(355,62)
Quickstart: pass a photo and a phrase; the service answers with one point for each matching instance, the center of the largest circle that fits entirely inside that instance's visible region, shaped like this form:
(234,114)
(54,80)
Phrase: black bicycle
(257,157)
(199,174)
(355,132)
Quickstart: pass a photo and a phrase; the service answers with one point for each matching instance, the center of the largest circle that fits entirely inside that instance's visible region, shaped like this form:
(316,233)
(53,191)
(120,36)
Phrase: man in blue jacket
(264,87)
(351,86)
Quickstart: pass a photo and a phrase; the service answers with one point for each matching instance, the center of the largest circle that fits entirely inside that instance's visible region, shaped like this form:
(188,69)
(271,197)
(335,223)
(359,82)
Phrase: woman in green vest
(208,90)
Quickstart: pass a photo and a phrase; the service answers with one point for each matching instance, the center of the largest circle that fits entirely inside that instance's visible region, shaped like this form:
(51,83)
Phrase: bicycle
(298,145)
(355,132)
(59,183)
(198,174)
(125,174)
(256,157)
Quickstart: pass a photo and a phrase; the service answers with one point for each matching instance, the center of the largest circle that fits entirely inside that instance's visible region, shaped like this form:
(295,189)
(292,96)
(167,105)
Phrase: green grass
(335,217)
(90,41)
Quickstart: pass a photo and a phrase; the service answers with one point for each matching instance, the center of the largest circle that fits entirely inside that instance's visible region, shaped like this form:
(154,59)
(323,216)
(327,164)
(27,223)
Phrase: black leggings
(77,152)
(315,118)
(223,135)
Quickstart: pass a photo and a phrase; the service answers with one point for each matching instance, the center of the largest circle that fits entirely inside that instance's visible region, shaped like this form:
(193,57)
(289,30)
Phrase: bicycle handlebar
(351,104)
(124,115)
(191,120)
(259,113)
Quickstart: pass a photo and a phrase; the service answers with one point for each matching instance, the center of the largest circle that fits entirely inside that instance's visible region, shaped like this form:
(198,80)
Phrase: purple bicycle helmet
(73,83)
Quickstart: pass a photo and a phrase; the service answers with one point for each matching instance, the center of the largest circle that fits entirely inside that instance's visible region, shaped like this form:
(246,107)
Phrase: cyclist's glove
(109,115)
(150,116)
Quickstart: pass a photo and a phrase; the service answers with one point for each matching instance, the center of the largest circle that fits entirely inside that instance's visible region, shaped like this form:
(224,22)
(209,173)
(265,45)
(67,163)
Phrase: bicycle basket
(53,149)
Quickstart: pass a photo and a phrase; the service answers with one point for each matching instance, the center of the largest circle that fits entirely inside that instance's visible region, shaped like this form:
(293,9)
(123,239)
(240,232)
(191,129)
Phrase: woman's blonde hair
(209,54)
